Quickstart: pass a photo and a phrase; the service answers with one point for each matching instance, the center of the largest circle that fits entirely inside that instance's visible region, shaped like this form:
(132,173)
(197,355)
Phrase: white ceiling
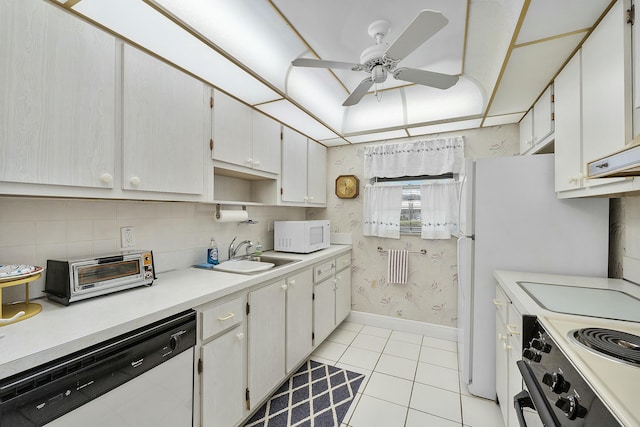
(505,51)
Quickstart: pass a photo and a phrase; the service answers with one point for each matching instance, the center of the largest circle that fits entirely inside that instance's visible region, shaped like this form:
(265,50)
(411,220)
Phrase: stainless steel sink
(252,264)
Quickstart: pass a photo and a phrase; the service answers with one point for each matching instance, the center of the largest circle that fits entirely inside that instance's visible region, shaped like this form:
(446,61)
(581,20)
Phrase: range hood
(625,162)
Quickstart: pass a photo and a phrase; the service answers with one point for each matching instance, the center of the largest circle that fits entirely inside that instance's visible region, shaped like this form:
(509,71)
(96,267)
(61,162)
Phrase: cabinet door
(266,143)
(164,126)
(606,86)
(222,397)
(526,132)
(317,173)
(57,98)
(232,131)
(502,368)
(568,126)
(299,317)
(324,310)
(294,166)
(266,330)
(343,294)
(543,117)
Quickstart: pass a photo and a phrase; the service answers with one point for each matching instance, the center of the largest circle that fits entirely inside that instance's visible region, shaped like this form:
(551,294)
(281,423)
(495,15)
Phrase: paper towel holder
(244,208)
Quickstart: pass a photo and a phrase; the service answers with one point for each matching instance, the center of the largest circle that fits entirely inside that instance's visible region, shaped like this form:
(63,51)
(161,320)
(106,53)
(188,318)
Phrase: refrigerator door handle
(461,232)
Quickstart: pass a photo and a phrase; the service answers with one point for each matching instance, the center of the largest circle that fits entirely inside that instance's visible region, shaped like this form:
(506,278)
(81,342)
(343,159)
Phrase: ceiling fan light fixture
(378,74)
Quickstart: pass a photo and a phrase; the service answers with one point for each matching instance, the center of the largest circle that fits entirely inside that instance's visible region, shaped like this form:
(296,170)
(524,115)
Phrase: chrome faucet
(233,251)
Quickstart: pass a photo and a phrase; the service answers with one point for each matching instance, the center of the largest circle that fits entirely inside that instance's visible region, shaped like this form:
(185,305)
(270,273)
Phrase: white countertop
(59,330)
(615,383)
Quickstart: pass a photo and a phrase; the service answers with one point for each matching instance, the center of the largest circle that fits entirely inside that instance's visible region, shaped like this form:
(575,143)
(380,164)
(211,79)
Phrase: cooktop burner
(609,342)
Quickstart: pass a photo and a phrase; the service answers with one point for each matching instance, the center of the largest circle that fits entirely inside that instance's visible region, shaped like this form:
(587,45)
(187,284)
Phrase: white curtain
(431,157)
(439,212)
(382,205)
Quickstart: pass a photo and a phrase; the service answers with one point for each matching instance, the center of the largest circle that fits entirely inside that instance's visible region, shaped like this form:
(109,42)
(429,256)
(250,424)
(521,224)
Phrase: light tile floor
(411,380)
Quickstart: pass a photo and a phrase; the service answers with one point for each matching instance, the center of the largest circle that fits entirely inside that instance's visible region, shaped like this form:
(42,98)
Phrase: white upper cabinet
(57,98)
(165,126)
(304,170)
(593,107)
(568,132)
(606,85)
(245,137)
(536,127)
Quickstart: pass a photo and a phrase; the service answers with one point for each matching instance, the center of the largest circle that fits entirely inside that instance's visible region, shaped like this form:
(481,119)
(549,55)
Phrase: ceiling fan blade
(422,28)
(358,93)
(426,78)
(321,63)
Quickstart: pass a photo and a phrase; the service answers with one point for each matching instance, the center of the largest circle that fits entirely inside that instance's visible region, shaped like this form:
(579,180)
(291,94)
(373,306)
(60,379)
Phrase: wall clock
(347,186)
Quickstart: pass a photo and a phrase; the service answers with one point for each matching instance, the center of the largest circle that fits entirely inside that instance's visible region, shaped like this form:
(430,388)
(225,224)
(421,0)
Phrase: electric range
(581,358)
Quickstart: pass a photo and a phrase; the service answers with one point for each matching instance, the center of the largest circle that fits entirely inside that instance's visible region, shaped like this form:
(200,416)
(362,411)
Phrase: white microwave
(301,237)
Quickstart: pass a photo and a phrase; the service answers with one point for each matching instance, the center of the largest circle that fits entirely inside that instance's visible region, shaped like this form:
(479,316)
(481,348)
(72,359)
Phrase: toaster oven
(87,277)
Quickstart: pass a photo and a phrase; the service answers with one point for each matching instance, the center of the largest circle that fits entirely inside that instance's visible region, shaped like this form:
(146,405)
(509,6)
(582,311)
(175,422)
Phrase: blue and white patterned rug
(317,395)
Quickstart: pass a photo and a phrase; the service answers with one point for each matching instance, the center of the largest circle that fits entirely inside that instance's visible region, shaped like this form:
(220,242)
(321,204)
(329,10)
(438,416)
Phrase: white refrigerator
(510,219)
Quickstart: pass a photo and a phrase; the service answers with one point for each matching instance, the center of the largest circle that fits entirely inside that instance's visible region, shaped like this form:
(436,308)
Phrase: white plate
(17,271)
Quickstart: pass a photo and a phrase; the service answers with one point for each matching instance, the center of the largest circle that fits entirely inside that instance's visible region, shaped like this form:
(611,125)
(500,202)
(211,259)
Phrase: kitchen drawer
(343,261)
(502,302)
(221,317)
(324,271)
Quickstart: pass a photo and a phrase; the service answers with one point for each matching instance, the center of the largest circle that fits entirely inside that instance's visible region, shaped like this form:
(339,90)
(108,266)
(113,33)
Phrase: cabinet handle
(497,302)
(227,317)
(240,336)
(106,178)
(135,181)
(506,347)
(513,329)
(501,337)
(284,287)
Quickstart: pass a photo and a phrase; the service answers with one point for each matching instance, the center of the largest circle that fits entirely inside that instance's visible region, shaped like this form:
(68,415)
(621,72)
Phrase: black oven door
(533,397)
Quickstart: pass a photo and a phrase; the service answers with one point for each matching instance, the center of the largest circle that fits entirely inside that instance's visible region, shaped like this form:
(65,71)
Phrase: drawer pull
(227,317)
(513,329)
(497,302)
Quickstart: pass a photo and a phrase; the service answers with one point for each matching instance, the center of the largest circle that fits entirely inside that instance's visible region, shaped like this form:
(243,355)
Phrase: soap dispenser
(212,253)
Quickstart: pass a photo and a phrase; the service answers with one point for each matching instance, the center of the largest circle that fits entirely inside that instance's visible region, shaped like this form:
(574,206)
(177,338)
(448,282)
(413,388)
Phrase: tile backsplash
(33,230)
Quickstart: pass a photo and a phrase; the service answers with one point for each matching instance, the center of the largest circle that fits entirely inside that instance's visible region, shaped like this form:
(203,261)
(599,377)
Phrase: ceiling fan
(379,60)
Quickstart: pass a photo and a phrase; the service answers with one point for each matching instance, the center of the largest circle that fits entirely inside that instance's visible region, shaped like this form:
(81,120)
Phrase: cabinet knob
(106,178)
(257,163)
(292,282)
(240,336)
(249,161)
(135,181)
(284,287)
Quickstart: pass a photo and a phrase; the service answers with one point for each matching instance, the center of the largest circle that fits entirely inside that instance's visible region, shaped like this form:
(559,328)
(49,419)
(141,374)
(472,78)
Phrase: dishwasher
(141,378)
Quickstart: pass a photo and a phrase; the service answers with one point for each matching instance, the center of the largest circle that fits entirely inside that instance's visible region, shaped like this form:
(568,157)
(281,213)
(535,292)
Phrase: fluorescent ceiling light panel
(250,31)
(287,113)
(140,23)
(333,142)
(445,127)
(502,120)
(370,113)
(426,104)
(380,136)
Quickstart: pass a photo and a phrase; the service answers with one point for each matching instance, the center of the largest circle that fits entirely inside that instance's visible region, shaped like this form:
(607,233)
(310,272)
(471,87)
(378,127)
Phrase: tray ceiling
(506,52)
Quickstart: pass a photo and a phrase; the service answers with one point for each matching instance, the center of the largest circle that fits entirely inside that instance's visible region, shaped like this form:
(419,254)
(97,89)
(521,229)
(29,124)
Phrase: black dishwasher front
(55,389)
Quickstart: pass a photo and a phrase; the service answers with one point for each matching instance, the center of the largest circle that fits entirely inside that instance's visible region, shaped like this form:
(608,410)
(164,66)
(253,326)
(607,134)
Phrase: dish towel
(397,266)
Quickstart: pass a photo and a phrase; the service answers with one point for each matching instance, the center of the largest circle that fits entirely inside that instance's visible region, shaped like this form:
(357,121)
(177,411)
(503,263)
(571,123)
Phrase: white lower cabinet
(332,296)
(508,352)
(222,394)
(222,363)
(266,330)
(299,318)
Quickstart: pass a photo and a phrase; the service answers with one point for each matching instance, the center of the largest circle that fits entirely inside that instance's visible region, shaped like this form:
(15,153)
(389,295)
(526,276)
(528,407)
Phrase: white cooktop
(592,302)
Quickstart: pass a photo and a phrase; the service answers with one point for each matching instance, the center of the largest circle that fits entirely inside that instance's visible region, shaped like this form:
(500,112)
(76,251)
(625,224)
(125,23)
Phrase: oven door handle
(534,398)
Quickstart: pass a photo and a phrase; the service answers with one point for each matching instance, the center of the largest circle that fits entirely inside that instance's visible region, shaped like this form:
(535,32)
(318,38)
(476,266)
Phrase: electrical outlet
(127,237)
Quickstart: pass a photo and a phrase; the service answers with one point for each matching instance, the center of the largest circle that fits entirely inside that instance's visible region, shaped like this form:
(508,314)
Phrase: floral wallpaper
(431,292)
